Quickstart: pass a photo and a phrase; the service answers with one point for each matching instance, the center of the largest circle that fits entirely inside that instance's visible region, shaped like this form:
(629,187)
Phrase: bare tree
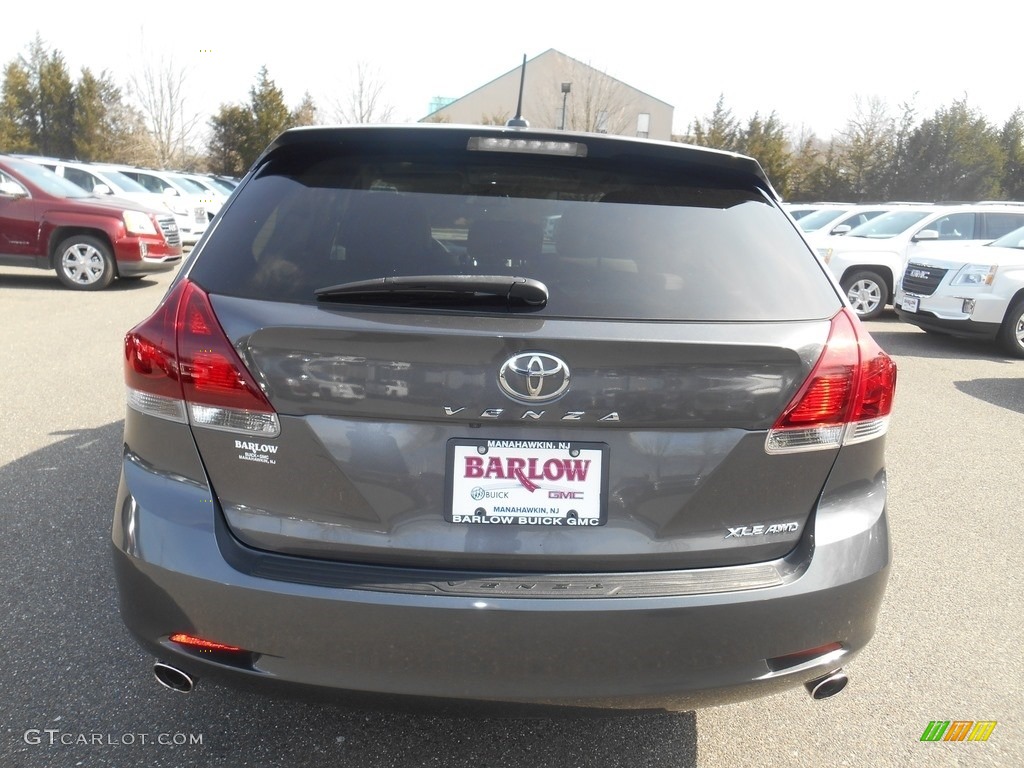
(364,103)
(597,102)
(159,88)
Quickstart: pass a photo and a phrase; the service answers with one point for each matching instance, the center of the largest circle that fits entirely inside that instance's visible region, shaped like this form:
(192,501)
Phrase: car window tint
(606,242)
(999,224)
(955,226)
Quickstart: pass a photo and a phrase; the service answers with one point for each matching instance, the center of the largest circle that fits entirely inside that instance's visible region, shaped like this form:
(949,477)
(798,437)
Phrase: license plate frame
(910,303)
(547,484)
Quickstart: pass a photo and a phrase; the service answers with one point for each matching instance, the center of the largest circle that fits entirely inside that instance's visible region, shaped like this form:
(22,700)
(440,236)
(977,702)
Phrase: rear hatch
(459,352)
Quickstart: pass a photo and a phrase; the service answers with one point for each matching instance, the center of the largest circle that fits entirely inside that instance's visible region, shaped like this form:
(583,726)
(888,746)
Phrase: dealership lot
(76,690)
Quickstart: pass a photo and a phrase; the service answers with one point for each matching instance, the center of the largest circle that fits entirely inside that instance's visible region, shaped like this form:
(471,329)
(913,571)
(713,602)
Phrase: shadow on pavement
(76,690)
(1006,393)
(936,346)
(46,280)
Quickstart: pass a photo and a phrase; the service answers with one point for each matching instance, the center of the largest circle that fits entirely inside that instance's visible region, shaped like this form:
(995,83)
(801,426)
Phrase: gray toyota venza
(448,413)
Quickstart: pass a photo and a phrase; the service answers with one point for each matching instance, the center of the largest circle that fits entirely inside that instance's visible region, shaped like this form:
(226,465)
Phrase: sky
(810,62)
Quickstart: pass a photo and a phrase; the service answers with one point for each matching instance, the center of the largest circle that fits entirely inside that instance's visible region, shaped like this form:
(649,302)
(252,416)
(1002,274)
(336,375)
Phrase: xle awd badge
(761,530)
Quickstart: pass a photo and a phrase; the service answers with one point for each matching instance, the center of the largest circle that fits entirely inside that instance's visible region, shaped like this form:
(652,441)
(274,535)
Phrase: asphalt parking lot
(75,690)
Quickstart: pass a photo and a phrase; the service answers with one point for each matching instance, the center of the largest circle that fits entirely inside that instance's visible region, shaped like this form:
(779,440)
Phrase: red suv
(50,223)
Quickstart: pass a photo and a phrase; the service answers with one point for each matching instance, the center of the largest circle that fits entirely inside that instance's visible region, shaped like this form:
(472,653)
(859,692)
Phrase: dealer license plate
(910,303)
(526,482)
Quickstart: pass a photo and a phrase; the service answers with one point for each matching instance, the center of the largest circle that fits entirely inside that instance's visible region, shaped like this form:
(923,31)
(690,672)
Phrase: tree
(806,152)
(16,110)
(955,155)
(239,133)
(105,127)
(364,103)
(38,103)
(866,145)
(269,114)
(719,131)
(765,140)
(897,175)
(306,113)
(160,89)
(229,132)
(598,103)
(1011,138)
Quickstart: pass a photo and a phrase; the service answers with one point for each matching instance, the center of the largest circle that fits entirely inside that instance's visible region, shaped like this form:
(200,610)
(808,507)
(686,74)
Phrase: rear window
(608,242)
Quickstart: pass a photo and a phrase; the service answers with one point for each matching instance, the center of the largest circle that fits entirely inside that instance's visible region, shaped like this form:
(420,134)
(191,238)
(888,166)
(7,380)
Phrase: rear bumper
(664,652)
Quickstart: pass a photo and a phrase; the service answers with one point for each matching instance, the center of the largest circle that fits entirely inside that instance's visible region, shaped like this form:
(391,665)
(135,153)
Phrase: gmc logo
(565,495)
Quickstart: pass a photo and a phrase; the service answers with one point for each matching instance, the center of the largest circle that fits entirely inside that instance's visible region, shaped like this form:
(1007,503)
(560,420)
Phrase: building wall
(596,101)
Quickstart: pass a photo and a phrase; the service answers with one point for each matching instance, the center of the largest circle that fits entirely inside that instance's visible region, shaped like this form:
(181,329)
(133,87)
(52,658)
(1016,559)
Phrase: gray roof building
(593,101)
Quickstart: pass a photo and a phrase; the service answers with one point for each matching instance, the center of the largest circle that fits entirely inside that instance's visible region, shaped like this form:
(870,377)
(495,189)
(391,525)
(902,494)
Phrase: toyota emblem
(534,377)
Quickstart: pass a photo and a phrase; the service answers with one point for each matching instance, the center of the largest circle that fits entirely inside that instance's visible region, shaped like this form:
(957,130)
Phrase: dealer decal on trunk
(261,453)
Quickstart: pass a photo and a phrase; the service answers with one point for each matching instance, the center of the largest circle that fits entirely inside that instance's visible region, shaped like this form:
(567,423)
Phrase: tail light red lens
(847,398)
(181,356)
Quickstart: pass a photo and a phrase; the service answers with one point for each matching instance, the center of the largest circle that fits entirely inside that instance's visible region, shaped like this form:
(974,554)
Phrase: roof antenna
(519,121)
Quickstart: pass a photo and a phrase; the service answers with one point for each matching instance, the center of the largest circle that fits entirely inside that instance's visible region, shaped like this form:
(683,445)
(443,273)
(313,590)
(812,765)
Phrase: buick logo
(534,377)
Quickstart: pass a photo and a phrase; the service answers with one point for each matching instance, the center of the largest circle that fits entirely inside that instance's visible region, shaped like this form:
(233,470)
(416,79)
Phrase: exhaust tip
(828,685)
(173,678)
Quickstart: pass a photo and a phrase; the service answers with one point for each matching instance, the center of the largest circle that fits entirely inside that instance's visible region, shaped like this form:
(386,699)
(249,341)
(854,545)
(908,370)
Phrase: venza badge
(534,377)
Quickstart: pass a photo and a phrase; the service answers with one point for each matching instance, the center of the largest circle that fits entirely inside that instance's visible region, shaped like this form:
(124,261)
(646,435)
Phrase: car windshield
(812,222)
(187,184)
(47,180)
(1014,239)
(888,224)
(224,187)
(123,183)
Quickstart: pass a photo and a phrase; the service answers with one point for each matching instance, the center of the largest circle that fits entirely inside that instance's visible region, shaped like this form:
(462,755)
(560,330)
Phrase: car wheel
(1011,332)
(84,263)
(867,292)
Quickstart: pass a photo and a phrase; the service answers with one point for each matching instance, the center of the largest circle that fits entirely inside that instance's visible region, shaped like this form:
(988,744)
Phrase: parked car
(103,180)
(799,210)
(212,184)
(868,260)
(183,199)
(385,436)
(826,222)
(974,292)
(50,223)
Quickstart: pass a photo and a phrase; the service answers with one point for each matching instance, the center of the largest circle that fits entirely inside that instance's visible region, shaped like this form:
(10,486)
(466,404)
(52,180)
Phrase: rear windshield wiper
(441,291)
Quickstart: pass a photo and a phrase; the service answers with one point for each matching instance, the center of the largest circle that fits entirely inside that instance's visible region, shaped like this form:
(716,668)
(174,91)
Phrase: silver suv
(392,432)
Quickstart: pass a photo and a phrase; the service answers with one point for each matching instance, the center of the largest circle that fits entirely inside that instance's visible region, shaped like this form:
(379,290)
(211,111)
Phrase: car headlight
(138,223)
(177,208)
(975,274)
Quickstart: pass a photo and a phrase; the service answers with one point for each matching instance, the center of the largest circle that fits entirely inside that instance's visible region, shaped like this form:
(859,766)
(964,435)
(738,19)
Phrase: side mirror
(842,229)
(12,190)
(170,191)
(101,189)
(926,234)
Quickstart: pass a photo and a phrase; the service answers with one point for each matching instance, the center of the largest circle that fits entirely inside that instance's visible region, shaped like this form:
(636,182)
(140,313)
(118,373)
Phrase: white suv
(182,199)
(103,181)
(975,292)
(868,259)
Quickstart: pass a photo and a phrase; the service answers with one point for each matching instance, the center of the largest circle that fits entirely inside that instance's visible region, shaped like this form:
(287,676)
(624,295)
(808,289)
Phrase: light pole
(566,87)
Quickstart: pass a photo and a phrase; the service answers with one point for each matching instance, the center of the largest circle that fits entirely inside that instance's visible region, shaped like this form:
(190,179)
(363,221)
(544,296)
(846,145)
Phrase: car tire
(868,293)
(84,263)
(1011,332)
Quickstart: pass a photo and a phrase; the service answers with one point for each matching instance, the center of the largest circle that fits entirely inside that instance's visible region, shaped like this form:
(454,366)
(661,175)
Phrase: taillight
(179,365)
(846,399)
